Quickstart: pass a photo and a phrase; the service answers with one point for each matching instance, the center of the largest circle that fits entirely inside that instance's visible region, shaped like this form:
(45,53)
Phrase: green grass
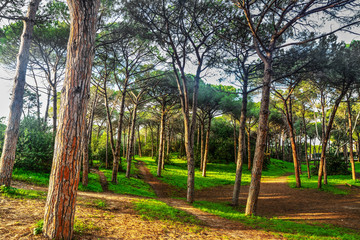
(133,186)
(16,193)
(151,209)
(175,173)
(93,184)
(42,179)
(36,178)
(38,227)
(333,181)
(285,228)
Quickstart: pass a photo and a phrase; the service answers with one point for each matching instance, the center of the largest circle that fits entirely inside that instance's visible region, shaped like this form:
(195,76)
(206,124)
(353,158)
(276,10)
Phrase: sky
(6,75)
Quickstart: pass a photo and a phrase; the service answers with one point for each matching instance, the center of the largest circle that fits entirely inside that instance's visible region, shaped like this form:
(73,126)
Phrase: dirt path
(229,228)
(278,199)
(103,181)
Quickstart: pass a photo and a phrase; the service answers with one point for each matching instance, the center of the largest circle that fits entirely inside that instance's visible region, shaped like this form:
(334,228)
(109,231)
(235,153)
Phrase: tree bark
(54,109)
(353,174)
(206,153)
(240,153)
(306,147)
(65,173)
(16,105)
(254,188)
(326,138)
(161,142)
(139,142)
(202,128)
(131,143)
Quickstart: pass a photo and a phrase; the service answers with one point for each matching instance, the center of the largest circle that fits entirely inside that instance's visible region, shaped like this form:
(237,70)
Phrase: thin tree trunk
(65,173)
(139,142)
(16,105)
(240,153)
(54,109)
(353,174)
(249,147)
(326,137)
(152,142)
(306,147)
(131,144)
(235,143)
(161,142)
(201,145)
(124,141)
(107,145)
(206,153)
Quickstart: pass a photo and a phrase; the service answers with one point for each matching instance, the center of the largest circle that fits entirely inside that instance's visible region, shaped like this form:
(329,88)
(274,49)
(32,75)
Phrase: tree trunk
(139,142)
(131,144)
(107,145)
(254,188)
(152,142)
(235,143)
(54,109)
(326,137)
(306,147)
(161,142)
(47,108)
(16,105)
(249,147)
(117,153)
(240,153)
(65,173)
(353,174)
(206,153)
(202,129)
(124,141)
(289,119)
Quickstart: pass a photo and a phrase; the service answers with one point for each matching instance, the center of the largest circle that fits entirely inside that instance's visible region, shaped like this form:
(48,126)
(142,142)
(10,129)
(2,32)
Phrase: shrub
(334,166)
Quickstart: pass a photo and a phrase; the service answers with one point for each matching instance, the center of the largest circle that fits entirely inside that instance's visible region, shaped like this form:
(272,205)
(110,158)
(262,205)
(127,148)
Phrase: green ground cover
(333,181)
(133,185)
(216,175)
(42,179)
(17,193)
(151,209)
(285,228)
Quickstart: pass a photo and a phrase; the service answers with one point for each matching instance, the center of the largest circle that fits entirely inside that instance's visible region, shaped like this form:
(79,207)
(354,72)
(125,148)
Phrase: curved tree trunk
(16,105)
(306,147)
(65,173)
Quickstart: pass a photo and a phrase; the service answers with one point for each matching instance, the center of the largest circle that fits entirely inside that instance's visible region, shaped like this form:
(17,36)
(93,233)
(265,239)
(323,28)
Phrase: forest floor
(111,216)
(277,199)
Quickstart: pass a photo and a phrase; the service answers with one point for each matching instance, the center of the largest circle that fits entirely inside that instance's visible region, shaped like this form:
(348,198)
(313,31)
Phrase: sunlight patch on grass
(285,228)
(18,193)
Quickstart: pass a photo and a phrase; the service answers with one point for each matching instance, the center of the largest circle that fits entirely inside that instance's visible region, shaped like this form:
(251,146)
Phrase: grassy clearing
(285,228)
(16,193)
(333,181)
(42,179)
(175,173)
(133,186)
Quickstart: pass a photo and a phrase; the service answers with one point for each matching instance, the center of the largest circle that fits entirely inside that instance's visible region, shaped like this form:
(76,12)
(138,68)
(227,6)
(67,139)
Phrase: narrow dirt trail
(229,228)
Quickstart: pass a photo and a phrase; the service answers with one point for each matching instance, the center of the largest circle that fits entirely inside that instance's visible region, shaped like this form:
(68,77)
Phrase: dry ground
(118,220)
